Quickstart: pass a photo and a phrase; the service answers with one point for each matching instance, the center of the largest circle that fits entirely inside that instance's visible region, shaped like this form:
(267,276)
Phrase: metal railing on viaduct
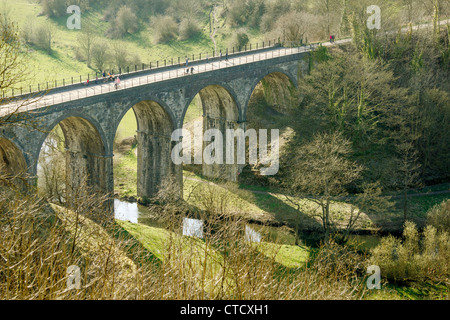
(56,92)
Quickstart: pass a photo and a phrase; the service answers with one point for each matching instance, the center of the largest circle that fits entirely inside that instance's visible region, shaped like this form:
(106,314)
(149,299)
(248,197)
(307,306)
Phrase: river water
(137,213)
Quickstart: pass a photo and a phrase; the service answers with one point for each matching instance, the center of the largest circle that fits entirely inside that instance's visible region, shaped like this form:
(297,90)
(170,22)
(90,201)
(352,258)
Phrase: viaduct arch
(89,124)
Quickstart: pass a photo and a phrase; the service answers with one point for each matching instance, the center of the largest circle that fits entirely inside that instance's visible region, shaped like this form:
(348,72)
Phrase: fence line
(99,86)
(75,80)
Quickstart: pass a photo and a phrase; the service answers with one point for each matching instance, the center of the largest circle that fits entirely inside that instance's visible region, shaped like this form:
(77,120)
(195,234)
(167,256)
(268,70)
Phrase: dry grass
(418,257)
(40,241)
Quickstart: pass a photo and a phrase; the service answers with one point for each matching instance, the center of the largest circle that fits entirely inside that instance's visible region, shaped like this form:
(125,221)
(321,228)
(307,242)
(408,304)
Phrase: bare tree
(120,54)
(43,36)
(370,201)
(408,167)
(101,54)
(51,168)
(330,9)
(12,61)
(406,121)
(13,73)
(321,171)
(293,26)
(86,40)
(126,21)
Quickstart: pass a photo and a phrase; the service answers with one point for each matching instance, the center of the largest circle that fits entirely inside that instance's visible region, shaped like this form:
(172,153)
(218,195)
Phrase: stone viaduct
(89,124)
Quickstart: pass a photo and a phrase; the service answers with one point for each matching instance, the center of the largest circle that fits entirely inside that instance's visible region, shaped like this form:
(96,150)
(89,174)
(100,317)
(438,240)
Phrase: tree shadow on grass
(283,214)
(134,249)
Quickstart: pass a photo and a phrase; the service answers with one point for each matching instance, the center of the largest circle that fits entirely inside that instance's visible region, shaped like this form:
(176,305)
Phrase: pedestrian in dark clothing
(226,56)
(220,55)
(192,70)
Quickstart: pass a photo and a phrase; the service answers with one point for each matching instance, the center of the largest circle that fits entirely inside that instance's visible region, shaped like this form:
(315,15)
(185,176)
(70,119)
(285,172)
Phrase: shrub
(292,26)
(236,13)
(242,271)
(101,55)
(239,39)
(42,37)
(266,23)
(413,258)
(165,29)
(27,31)
(188,29)
(120,55)
(39,242)
(274,10)
(339,262)
(246,12)
(125,23)
(439,216)
(135,60)
(54,8)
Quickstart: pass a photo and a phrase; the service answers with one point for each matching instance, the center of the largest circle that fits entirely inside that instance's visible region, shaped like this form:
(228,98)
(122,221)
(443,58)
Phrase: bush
(266,23)
(42,37)
(135,60)
(120,55)
(125,23)
(439,216)
(274,10)
(54,8)
(236,13)
(412,258)
(188,29)
(239,39)
(101,55)
(292,26)
(165,29)
(339,262)
(27,31)
(247,12)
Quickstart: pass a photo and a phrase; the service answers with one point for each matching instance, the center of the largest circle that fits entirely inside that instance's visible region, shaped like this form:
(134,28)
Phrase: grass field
(127,127)
(156,240)
(62,63)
